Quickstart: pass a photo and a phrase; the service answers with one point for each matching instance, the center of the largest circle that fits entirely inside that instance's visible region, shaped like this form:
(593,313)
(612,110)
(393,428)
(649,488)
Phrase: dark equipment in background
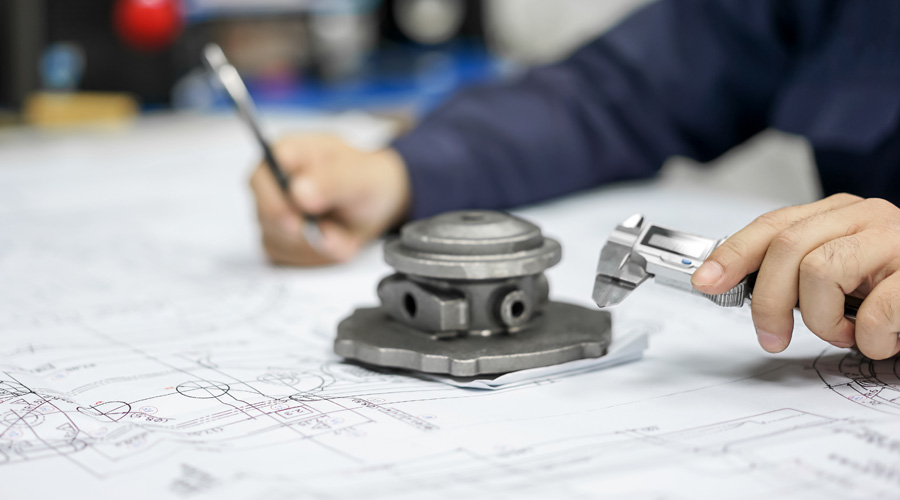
(21,41)
(290,56)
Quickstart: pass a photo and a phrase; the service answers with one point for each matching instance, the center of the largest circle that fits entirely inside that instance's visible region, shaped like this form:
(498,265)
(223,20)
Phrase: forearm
(690,77)
(551,133)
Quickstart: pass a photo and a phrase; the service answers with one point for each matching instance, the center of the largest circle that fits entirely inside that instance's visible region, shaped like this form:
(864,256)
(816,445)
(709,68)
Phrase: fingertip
(878,354)
(730,262)
(770,342)
(844,336)
(708,275)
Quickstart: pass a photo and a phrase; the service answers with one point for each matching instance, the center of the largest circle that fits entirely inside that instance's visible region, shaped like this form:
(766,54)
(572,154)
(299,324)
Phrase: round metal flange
(472,245)
(469,298)
(562,333)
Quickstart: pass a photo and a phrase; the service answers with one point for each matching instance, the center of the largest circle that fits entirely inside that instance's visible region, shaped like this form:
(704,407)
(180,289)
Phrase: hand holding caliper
(820,258)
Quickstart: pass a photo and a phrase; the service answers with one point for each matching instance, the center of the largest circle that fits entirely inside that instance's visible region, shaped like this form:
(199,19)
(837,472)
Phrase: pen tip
(214,55)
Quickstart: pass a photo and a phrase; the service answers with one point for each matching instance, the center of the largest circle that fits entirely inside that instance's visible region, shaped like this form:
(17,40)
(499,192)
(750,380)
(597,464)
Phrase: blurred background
(66,64)
(113,58)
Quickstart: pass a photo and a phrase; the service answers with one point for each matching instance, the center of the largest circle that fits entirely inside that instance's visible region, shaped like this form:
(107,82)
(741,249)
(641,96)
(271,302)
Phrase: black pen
(218,64)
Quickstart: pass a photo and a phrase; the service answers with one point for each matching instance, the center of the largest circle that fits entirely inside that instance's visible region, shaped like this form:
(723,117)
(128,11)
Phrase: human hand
(357,195)
(816,254)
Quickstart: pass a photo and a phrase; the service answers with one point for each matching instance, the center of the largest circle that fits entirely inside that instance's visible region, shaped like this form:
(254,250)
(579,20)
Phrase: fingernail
(842,345)
(709,273)
(769,342)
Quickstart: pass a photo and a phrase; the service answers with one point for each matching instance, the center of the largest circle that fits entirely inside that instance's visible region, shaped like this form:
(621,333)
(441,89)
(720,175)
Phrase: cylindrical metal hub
(469,272)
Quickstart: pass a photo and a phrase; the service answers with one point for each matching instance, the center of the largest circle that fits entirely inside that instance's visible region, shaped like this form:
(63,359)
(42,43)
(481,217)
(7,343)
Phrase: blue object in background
(62,67)
(199,11)
(406,76)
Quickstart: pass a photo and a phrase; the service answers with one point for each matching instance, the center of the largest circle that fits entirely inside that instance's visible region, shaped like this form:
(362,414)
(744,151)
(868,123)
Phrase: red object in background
(148,25)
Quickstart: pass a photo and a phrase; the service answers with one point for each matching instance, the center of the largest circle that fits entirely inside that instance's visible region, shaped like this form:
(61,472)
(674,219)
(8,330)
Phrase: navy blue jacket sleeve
(679,77)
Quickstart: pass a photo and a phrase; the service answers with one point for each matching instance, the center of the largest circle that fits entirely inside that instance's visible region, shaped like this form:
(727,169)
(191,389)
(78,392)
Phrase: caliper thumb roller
(637,251)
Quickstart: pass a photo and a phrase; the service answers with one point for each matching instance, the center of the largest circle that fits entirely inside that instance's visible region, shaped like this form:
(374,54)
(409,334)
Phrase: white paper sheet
(627,346)
(149,352)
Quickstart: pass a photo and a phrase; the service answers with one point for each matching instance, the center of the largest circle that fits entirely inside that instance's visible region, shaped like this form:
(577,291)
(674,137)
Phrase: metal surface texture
(564,332)
(470,297)
(628,259)
(472,245)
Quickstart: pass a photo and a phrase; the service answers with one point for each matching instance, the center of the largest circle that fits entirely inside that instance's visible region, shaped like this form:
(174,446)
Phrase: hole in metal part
(517,309)
(409,303)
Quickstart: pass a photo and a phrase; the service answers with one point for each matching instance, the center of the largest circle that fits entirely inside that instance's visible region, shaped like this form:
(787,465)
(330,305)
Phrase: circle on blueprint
(869,383)
(203,389)
(111,411)
(28,419)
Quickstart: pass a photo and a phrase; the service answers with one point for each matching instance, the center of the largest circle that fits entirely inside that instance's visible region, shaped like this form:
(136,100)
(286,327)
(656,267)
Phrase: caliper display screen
(682,244)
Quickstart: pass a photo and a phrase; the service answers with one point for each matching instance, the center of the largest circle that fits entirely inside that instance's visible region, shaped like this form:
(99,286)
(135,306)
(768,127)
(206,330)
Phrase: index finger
(743,252)
(296,153)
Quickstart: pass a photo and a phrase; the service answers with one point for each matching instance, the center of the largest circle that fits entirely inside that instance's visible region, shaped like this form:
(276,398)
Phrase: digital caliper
(637,251)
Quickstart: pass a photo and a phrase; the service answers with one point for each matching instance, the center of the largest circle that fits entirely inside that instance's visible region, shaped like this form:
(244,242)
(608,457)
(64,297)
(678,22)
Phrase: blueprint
(149,352)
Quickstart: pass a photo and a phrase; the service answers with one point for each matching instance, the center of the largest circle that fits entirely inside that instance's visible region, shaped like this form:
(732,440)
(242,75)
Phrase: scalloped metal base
(564,332)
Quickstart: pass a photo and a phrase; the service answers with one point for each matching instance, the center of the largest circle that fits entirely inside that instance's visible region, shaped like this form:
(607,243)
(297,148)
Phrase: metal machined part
(637,251)
(470,297)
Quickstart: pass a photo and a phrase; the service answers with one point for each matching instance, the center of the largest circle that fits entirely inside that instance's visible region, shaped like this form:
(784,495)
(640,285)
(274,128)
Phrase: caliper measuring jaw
(636,251)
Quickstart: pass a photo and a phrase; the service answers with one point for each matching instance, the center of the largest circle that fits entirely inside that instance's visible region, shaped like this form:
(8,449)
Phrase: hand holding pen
(319,200)
(228,76)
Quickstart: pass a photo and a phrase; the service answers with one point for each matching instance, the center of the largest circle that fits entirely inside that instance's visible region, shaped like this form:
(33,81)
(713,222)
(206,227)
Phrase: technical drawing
(873,384)
(149,352)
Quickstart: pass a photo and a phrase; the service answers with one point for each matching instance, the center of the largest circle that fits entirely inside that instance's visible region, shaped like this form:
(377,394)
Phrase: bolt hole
(409,303)
(517,309)
(472,217)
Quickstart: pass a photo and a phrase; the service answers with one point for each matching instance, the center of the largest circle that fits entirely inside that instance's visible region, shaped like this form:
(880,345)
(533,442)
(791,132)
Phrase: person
(678,77)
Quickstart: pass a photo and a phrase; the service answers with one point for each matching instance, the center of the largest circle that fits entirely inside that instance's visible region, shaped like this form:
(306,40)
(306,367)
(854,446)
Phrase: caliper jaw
(620,270)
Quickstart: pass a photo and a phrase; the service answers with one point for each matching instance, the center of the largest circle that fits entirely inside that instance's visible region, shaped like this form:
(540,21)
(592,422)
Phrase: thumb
(742,253)
(737,257)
